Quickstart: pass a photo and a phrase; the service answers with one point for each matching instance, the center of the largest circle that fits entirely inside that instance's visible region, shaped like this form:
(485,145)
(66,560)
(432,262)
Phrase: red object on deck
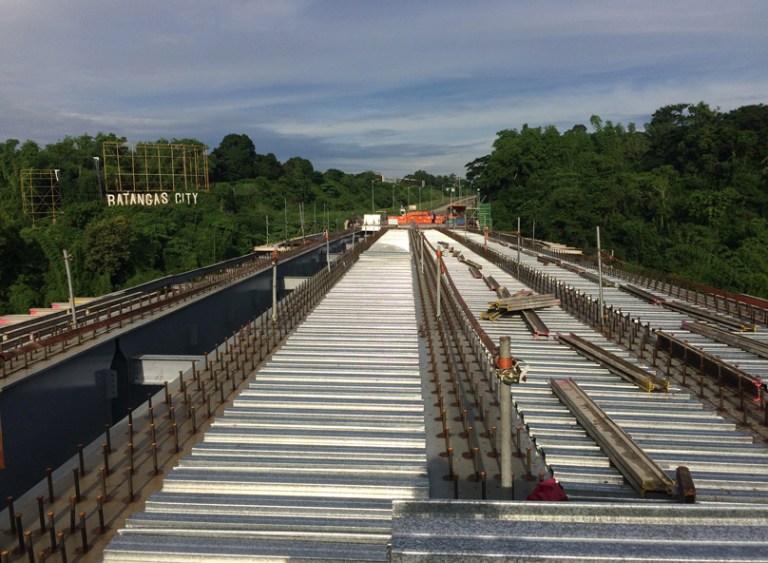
(548,490)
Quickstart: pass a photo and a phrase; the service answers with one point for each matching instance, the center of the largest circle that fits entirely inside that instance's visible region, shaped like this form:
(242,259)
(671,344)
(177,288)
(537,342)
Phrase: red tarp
(548,490)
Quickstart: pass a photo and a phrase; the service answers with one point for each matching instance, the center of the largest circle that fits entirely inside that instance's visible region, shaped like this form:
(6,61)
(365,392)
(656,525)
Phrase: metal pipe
(100,505)
(505,408)
(49,478)
(130,484)
(105,456)
(41,513)
(439,271)
(83,532)
(518,247)
(599,278)
(72,514)
(328,248)
(52,530)
(19,532)
(28,545)
(422,252)
(67,259)
(80,458)
(274,286)
(62,546)
(76,478)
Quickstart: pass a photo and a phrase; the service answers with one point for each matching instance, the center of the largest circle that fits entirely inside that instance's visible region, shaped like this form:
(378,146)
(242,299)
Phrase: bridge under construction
(427,395)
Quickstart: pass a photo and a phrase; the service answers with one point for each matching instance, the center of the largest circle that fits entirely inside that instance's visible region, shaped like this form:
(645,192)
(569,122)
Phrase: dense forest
(252,197)
(688,195)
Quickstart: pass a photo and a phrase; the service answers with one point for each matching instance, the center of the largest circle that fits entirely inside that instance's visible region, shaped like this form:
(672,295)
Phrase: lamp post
(98,175)
(275,257)
(600,277)
(518,247)
(301,222)
(67,259)
(285,229)
(421,186)
(505,409)
(373,207)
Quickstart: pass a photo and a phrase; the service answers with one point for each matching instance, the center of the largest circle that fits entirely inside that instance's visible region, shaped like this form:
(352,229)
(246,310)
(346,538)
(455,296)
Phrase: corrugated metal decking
(307,461)
(306,464)
(673,428)
(467,531)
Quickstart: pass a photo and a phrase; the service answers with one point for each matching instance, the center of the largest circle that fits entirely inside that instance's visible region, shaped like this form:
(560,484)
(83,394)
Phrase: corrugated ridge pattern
(656,315)
(673,428)
(467,531)
(305,464)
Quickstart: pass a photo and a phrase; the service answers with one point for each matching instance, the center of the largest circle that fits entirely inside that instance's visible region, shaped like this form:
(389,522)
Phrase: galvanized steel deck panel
(674,421)
(467,531)
(306,462)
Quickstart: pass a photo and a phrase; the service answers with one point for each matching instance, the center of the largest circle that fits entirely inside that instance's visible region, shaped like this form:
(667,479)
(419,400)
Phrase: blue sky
(391,86)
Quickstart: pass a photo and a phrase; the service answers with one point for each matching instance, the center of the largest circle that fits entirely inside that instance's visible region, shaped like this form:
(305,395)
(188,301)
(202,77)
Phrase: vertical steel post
(285,228)
(274,286)
(599,278)
(98,176)
(439,272)
(518,247)
(67,259)
(328,248)
(301,218)
(422,252)
(505,410)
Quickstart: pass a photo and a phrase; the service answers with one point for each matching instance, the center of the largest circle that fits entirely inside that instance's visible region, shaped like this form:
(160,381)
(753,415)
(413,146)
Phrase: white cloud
(345,83)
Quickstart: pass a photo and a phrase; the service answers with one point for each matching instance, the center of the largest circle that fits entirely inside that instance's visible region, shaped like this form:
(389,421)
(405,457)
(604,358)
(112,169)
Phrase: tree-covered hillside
(686,196)
(120,246)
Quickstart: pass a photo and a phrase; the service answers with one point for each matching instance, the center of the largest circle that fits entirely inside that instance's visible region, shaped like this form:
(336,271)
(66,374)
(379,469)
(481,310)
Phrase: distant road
(463,201)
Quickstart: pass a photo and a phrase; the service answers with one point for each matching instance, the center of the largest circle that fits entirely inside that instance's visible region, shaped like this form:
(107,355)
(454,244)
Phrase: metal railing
(31,342)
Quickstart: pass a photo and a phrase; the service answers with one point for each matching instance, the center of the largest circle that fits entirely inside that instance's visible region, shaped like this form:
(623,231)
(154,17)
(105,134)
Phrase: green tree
(108,243)
(267,166)
(234,159)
